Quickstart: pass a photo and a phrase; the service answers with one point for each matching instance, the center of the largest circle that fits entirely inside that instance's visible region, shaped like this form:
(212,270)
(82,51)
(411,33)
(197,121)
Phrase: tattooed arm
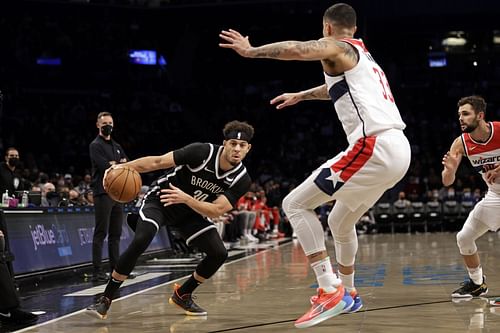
(288,99)
(324,48)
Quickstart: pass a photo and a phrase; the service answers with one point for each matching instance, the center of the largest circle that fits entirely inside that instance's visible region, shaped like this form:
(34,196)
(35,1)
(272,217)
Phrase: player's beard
(470,128)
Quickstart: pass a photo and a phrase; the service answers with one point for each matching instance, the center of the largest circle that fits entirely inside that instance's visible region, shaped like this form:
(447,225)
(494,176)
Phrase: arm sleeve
(193,154)
(234,193)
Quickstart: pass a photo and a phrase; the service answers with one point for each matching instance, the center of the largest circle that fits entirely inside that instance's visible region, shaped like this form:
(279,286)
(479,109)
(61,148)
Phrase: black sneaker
(18,316)
(186,303)
(132,219)
(100,308)
(100,277)
(469,289)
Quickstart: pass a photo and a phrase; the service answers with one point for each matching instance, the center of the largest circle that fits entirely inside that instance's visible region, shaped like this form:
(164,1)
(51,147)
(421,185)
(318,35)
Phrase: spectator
(402,202)
(84,185)
(50,198)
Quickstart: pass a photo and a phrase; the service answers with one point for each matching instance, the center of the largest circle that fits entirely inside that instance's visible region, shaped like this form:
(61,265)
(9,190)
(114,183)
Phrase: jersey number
(200,196)
(386,90)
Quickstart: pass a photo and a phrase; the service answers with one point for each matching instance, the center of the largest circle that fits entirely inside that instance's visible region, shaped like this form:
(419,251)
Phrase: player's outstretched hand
(234,40)
(286,99)
(450,161)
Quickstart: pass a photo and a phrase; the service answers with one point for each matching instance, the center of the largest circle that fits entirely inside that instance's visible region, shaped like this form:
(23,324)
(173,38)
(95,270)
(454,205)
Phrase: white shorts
(366,169)
(487,211)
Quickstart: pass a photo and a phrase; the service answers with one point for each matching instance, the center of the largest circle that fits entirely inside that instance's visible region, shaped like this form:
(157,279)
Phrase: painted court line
(100,289)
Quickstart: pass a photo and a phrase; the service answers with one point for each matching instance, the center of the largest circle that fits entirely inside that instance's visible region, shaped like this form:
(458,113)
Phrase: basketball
(123,183)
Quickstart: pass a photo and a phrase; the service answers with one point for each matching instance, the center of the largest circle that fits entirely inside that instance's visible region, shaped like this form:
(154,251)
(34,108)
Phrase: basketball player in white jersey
(480,143)
(378,155)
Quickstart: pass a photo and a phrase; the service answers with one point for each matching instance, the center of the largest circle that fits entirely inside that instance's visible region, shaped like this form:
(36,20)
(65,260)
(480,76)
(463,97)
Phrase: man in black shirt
(204,181)
(105,152)
(10,178)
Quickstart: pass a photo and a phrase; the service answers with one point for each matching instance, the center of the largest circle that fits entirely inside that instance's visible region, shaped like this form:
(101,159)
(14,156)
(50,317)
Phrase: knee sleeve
(211,244)
(306,225)
(346,247)
(144,234)
(466,238)
(342,222)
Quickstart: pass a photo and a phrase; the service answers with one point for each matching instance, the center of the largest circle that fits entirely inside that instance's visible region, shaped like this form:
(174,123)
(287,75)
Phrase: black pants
(108,221)
(7,288)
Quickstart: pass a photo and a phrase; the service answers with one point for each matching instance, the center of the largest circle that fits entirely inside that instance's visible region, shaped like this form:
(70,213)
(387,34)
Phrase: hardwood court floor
(405,282)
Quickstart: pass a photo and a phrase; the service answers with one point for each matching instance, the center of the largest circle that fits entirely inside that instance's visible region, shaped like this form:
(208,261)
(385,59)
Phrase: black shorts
(185,220)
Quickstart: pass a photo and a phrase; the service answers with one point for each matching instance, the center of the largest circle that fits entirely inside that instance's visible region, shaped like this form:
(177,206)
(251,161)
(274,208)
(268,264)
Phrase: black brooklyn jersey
(197,173)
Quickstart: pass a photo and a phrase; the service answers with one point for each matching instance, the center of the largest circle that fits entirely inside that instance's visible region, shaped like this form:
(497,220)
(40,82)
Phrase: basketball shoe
(325,306)
(100,308)
(358,303)
(469,289)
(186,303)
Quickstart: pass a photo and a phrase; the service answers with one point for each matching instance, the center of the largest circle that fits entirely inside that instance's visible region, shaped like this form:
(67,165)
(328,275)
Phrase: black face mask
(106,130)
(52,195)
(13,162)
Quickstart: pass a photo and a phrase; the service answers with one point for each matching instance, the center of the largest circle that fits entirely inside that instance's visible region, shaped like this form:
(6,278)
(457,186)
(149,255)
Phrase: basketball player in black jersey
(204,181)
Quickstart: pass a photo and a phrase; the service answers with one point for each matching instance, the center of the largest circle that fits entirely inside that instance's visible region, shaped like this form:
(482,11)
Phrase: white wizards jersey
(362,97)
(485,156)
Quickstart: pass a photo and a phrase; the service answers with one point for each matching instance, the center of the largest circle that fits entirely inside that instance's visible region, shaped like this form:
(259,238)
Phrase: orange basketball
(123,183)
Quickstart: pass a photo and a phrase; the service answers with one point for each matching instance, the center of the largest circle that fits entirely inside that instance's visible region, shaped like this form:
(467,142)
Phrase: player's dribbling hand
(105,175)
(235,41)
(285,100)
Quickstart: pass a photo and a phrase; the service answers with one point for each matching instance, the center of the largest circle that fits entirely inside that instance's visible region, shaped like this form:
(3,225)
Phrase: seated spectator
(76,199)
(10,311)
(50,198)
(84,185)
(89,197)
(402,202)
(467,195)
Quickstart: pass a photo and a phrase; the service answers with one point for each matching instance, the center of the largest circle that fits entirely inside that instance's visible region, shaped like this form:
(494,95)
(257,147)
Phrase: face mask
(13,161)
(51,195)
(106,130)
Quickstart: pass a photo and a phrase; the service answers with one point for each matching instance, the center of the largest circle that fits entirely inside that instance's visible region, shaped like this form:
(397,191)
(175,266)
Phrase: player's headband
(238,135)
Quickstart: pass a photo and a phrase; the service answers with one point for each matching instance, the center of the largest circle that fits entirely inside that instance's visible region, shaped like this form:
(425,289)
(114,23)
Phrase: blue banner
(42,240)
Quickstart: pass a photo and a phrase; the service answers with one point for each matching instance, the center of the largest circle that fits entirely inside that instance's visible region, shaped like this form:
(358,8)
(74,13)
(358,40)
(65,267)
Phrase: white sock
(476,274)
(347,281)
(327,279)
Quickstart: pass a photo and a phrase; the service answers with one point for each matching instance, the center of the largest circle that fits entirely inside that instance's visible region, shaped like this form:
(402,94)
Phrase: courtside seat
(417,217)
(434,216)
(384,217)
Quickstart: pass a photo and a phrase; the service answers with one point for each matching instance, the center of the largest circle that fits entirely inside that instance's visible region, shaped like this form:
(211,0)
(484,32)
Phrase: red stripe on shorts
(354,160)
